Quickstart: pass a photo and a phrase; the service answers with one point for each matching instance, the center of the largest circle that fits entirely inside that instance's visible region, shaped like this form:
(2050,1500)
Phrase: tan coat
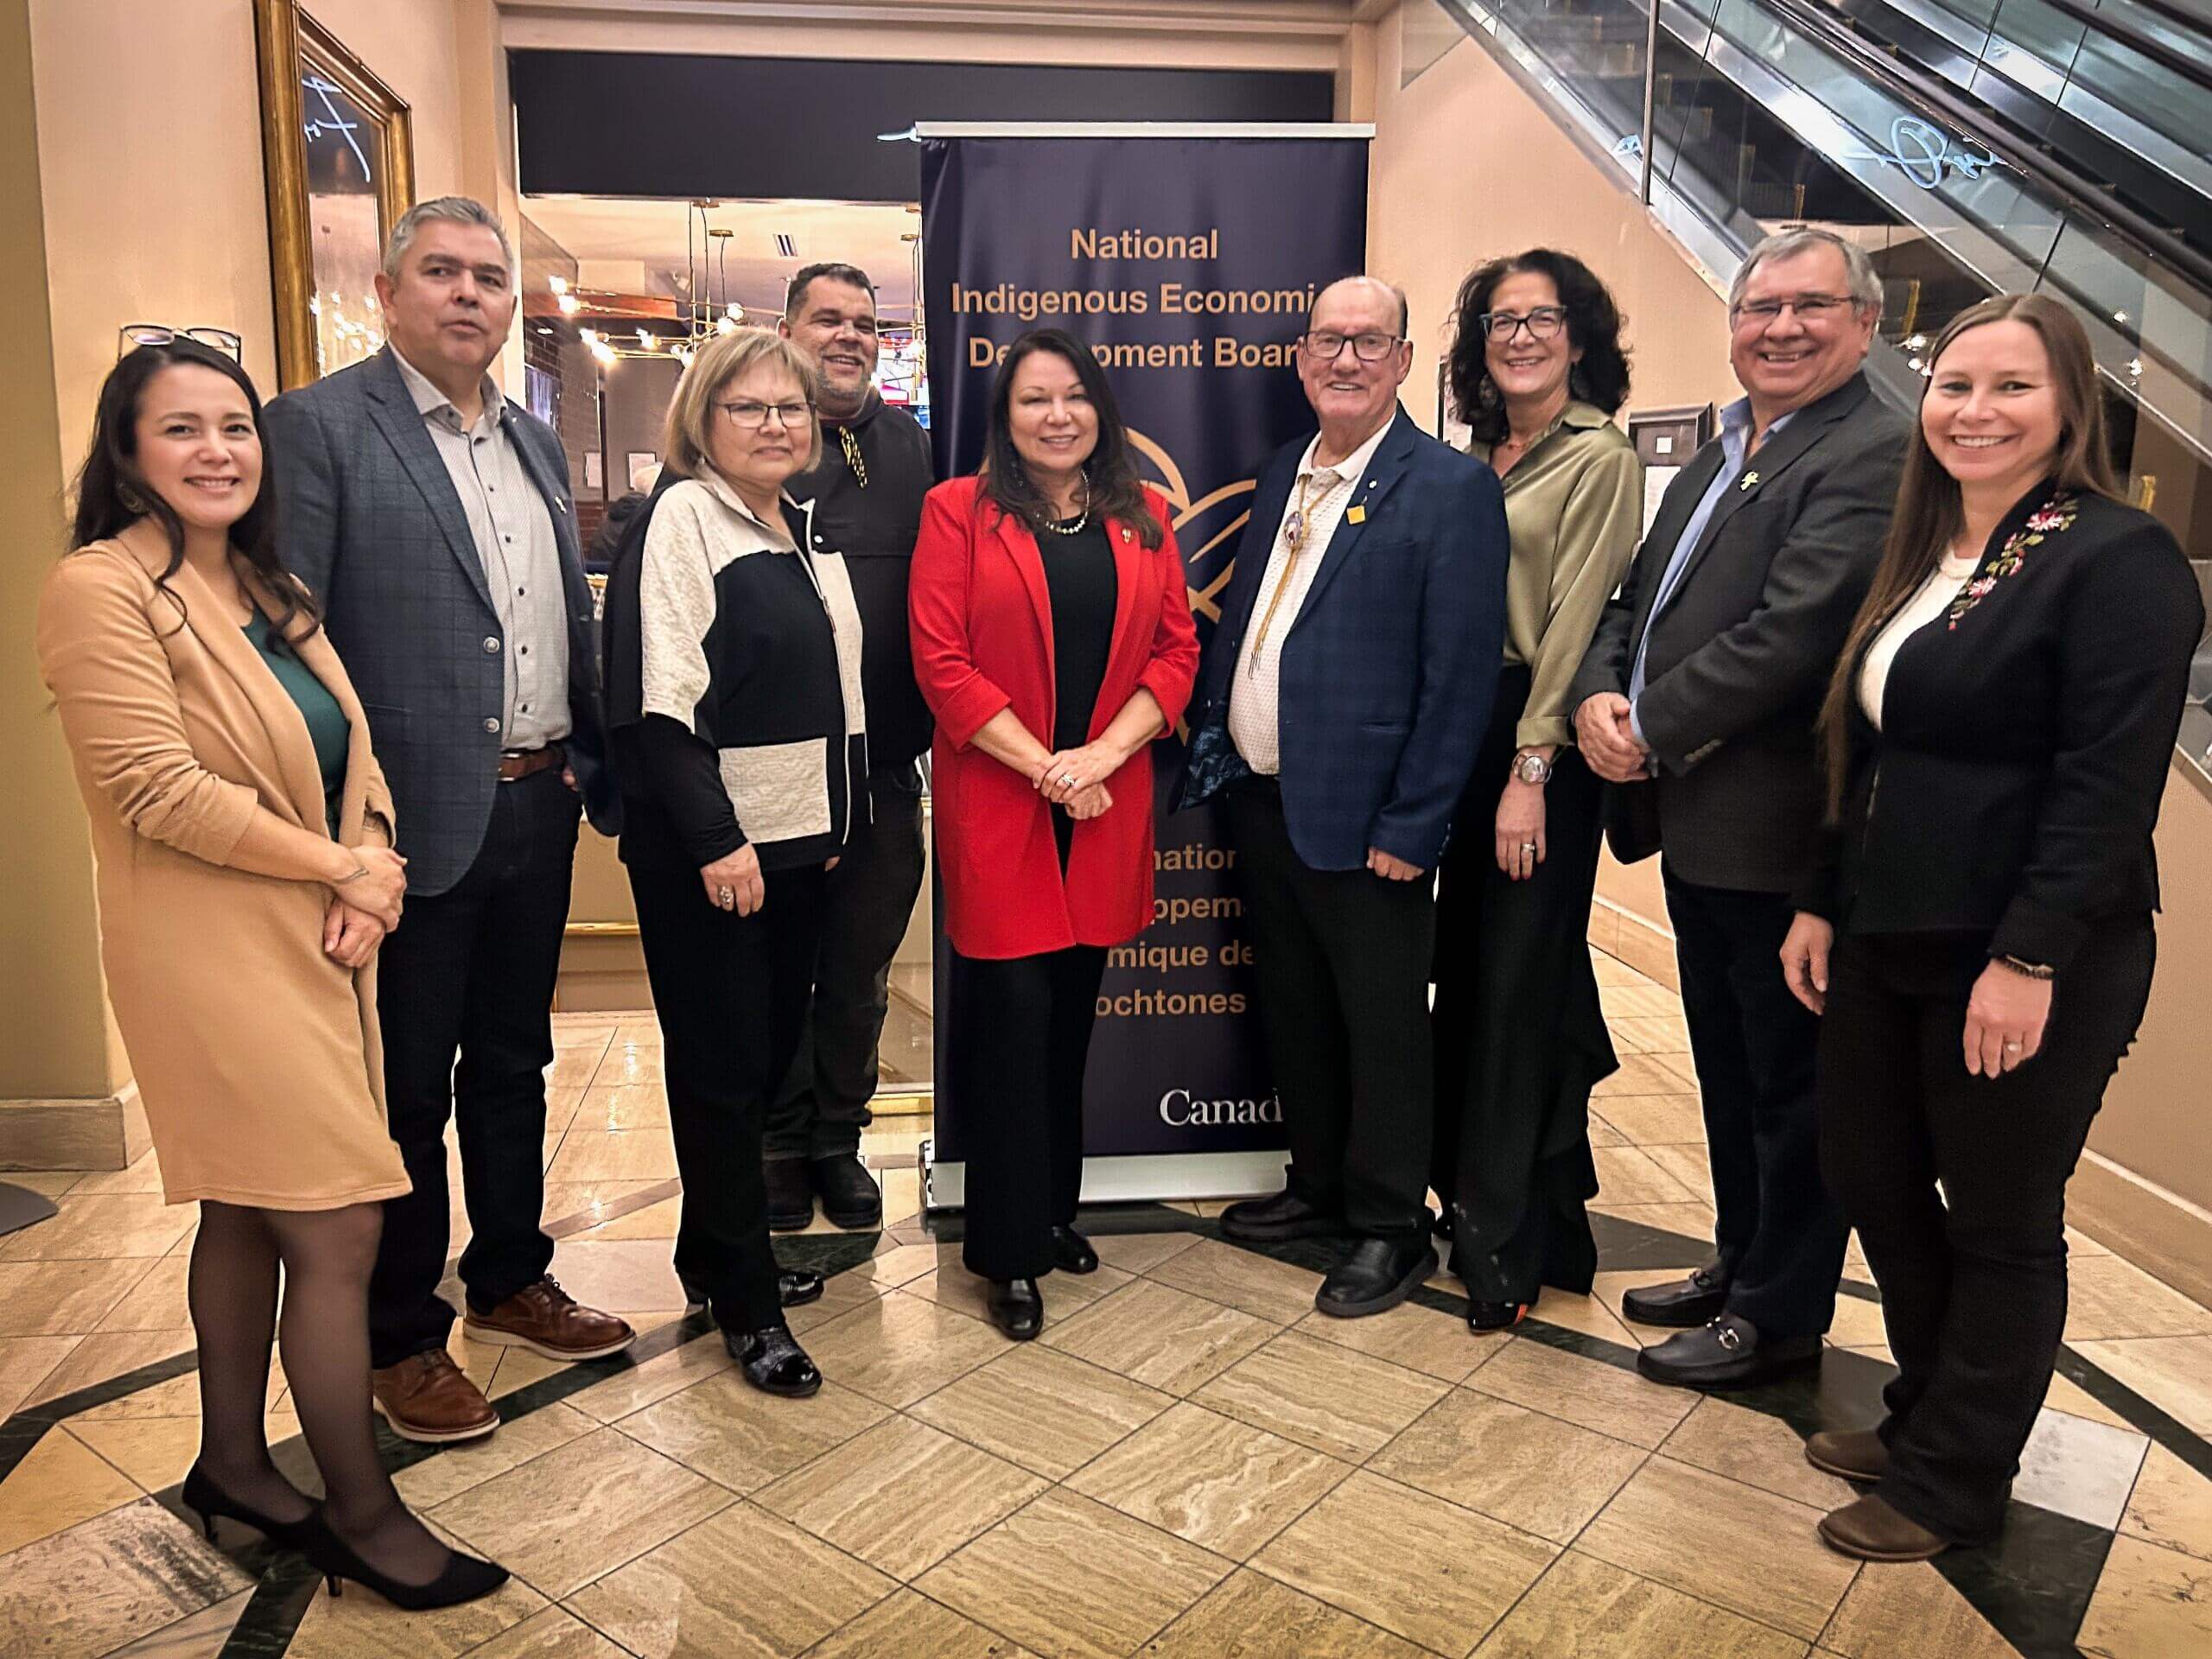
(256,1054)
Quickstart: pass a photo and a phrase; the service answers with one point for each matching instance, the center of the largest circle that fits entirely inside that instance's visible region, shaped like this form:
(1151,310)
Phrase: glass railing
(1759,118)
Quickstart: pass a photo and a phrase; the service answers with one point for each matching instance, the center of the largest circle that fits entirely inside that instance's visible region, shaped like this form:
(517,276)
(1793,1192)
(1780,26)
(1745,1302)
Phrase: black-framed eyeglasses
(749,416)
(1542,323)
(1808,307)
(1327,345)
(132,335)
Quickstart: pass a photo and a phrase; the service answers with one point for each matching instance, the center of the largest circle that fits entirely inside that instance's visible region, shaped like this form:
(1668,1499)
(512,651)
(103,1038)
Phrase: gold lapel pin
(1357,515)
(1751,481)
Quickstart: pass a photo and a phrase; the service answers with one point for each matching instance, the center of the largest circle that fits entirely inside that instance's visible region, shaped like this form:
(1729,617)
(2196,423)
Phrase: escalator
(1972,147)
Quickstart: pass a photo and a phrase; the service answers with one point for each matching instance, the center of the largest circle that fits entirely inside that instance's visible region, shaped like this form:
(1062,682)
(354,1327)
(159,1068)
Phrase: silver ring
(724,897)
(2011,1048)
(1527,846)
(1067,781)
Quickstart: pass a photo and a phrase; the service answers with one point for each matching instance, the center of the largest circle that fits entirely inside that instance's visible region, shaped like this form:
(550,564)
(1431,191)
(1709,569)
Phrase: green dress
(327,726)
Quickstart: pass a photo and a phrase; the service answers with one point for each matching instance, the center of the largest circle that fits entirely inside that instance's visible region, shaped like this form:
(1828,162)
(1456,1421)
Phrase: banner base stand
(1128,1180)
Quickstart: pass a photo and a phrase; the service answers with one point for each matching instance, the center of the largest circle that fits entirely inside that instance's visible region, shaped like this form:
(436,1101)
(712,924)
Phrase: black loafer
(1377,1276)
(1071,1251)
(1266,1221)
(795,1287)
(791,1194)
(1682,1303)
(850,1196)
(773,1362)
(1016,1307)
(1729,1353)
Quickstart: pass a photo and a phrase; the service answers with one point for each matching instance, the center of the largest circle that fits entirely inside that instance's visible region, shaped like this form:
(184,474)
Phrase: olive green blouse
(1574,509)
(327,728)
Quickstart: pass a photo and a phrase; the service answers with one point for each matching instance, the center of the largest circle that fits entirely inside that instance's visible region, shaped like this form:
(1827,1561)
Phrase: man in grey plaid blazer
(432,519)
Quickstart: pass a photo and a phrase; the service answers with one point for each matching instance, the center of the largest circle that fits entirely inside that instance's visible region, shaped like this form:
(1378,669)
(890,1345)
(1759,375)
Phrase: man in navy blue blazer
(1338,714)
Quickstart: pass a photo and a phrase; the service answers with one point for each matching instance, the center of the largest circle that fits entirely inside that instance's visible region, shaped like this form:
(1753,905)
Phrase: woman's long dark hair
(1112,471)
(112,493)
(1593,326)
(1931,515)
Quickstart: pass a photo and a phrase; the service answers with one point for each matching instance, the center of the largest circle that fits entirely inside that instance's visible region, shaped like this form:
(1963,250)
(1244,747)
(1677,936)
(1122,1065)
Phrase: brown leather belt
(512,766)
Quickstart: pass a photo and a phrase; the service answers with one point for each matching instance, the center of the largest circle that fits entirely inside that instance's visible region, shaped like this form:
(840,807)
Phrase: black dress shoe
(773,1362)
(789,1182)
(1264,1221)
(850,1196)
(1016,1307)
(1682,1303)
(795,1287)
(1378,1274)
(1485,1317)
(1729,1353)
(1071,1251)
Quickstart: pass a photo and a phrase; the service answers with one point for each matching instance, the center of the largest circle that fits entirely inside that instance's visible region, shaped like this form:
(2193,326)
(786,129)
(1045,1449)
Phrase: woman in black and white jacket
(739,736)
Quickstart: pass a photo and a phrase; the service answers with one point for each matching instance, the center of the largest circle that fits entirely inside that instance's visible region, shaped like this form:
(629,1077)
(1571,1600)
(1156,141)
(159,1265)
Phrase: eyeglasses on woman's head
(132,335)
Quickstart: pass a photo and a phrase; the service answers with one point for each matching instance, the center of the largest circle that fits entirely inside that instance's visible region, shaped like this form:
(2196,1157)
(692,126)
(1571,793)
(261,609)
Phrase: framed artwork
(339,161)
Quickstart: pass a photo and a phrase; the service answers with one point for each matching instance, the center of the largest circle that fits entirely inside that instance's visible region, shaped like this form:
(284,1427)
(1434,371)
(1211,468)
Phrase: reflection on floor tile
(898,1348)
(2173,1373)
(730,1431)
(1588,1609)
(364,1626)
(1162,1338)
(1272,1290)
(1069,1577)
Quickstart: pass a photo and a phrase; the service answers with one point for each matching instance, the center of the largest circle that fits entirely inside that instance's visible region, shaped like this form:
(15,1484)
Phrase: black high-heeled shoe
(795,1287)
(465,1577)
(205,1499)
(774,1362)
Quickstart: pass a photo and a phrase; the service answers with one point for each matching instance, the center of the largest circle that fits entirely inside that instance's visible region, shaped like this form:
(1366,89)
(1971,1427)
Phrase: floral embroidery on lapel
(2054,516)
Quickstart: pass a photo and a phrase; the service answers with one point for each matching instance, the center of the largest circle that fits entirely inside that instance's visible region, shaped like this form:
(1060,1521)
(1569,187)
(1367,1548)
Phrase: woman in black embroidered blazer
(1998,732)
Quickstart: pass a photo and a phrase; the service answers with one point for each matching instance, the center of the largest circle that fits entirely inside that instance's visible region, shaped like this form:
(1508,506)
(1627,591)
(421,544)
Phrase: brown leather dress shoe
(1870,1530)
(1853,1453)
(425,1397)
(546,1319)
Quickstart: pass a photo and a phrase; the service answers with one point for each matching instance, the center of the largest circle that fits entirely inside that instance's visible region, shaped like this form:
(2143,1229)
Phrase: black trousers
(1520,1036)
(1340,973)
(470,974)
(729,992)
(823,1104)
(1780,1235)
(1973,1280)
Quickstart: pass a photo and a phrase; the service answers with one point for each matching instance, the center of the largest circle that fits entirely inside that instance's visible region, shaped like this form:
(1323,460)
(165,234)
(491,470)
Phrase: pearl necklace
(1081,519)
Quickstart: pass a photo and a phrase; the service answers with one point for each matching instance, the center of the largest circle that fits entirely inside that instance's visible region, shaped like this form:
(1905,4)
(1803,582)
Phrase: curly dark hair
(1594,324)
(1112,471)
(113,494)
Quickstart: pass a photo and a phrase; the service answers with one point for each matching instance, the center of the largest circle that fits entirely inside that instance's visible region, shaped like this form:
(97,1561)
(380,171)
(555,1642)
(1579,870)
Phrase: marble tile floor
(1190,1462)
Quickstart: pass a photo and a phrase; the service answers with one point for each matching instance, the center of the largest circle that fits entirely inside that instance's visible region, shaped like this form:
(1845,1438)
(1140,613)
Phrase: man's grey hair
(455,210)
(1860,277)
(1405,307)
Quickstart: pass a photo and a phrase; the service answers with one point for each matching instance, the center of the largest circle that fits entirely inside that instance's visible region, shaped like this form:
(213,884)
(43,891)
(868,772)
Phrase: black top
(1079,576)
(327,728)
(2026,735)
(874,527)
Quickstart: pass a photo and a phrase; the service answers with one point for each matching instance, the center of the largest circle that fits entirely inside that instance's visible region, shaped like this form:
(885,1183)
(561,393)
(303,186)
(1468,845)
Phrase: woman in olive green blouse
(1537,371)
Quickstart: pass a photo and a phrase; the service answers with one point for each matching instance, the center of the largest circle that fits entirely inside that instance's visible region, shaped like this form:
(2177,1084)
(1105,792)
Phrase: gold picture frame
(339,156)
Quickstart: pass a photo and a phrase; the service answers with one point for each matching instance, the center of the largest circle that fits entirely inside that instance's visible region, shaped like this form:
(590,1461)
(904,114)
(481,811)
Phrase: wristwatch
(1532,768)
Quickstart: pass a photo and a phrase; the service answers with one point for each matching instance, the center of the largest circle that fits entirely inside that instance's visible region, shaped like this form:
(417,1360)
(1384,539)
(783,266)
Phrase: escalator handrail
(2116,28)
(2072,188)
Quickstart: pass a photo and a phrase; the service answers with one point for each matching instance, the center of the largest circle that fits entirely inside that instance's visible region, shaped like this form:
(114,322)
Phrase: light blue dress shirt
(1735,439)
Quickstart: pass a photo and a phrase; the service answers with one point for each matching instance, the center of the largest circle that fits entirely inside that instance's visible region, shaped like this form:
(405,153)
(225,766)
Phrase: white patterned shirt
(1253,722)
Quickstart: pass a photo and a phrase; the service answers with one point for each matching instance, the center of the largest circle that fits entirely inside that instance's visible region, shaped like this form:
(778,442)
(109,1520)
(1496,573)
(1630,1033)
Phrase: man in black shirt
(866,485)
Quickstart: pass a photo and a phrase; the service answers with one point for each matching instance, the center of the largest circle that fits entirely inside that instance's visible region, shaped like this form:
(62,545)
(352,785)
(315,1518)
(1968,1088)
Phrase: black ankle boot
(774,1362)
(850,1198)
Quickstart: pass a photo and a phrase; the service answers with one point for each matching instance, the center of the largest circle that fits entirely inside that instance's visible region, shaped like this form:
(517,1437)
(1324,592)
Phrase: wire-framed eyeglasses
(132,335)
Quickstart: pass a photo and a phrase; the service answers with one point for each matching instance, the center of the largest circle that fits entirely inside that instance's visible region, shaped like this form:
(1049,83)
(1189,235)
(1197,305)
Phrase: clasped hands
(363,907)
(1076,778)
(1605,734)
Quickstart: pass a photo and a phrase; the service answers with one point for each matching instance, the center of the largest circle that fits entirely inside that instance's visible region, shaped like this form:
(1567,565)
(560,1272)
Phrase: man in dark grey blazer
(432,519)
(1696,701)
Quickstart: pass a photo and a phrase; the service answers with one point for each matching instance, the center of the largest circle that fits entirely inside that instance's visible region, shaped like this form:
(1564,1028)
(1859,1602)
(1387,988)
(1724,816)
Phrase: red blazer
(982,633)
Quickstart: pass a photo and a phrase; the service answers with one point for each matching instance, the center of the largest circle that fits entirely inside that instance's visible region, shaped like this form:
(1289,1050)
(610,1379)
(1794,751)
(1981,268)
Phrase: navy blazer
(369,519)
(1388,671)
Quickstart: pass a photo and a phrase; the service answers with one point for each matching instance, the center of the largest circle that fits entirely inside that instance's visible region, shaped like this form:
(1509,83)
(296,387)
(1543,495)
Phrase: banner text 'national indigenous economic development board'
(1188,264)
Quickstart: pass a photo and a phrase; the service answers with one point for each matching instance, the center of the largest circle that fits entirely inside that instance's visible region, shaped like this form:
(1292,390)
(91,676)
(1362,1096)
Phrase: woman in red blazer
(1052,640)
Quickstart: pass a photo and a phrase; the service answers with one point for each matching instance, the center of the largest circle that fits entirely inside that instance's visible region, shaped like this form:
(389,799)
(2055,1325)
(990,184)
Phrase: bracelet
(359,871)
(2029,969)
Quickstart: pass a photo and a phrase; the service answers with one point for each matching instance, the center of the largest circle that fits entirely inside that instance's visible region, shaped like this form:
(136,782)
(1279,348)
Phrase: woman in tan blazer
(243,837)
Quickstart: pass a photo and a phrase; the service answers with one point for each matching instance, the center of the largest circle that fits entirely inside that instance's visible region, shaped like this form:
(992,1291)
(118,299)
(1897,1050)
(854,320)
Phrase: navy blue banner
(1188,264)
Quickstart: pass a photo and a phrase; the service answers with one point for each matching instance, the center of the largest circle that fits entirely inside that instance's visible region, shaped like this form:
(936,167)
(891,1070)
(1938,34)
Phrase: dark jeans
(471,973)
(1340,970)
(822,1105)
(729,992)
(1779,1233)
(1973,1280)
(1025,1036)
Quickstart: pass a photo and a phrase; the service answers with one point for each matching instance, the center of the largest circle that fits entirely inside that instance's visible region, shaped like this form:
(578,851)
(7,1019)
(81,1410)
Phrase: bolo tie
(851,446)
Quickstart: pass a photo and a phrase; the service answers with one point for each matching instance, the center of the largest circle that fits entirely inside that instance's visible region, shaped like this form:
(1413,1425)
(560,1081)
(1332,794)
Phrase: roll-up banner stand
(1187,257)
